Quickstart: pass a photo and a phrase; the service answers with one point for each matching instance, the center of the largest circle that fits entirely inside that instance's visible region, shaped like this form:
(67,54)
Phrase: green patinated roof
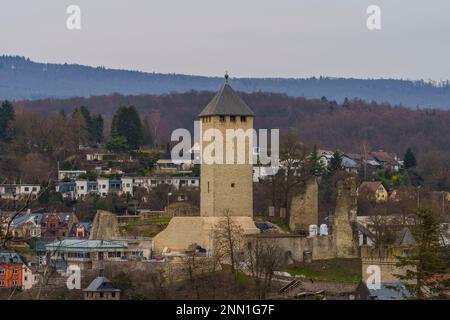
(68,244)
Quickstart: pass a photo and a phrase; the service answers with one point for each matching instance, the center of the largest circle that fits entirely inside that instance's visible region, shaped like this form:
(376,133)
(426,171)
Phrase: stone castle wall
(344,223)
(299,249)
(386,259)
(304,208)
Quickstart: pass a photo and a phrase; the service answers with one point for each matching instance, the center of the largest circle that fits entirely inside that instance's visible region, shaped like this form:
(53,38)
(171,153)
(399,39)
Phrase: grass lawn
(147,221)
(338,270)
(147,227)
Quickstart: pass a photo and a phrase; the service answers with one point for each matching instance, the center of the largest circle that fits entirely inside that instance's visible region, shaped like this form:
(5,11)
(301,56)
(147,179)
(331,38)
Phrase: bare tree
(6,219)
(263,256)
(228,241)
(196,267)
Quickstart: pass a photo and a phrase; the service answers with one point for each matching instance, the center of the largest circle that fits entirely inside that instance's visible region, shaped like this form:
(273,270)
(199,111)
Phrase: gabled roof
(383,156)
(227,103)
(370,185)
(101,284)
(10,258)
(405,238)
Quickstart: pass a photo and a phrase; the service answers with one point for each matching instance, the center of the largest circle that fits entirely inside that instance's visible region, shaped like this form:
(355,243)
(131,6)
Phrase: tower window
(232,185)
(232,118)
(208,186)
(243,118)
(222,119)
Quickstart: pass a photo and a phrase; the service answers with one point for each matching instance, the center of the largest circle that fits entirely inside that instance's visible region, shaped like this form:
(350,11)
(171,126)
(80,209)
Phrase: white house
(29,278)
(15,191)
(70,174)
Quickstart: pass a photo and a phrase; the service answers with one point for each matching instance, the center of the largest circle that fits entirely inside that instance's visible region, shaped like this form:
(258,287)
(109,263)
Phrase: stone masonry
(304,208)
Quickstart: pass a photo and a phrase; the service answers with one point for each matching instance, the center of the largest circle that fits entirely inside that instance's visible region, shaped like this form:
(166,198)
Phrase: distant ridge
(21,78)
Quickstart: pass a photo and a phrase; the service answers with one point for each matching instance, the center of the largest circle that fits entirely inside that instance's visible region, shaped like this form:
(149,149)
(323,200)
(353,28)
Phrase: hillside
(345,126)
(21,78)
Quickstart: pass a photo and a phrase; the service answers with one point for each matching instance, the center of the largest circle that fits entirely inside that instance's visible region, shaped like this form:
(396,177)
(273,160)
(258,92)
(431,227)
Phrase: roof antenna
(226,76)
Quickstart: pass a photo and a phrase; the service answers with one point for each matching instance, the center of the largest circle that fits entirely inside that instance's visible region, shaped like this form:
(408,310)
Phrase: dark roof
(227,103)
(390,291)
(383,156)
(10,258)
(87,227)
(404,237)
(101,284)
(370,185)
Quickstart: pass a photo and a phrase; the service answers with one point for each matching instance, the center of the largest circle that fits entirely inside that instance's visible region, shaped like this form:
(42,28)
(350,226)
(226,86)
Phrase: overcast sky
(249,38)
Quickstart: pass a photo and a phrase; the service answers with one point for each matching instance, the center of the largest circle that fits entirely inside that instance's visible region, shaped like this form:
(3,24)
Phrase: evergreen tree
(7,117)
(316,166)
(147,136)
(335,162)
(409,159)
(126,123)
(97,128)
(117,144)
(426,259)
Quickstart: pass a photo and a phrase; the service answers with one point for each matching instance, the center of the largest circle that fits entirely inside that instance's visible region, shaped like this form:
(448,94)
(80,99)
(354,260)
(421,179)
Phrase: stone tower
(226,183)
(304,209)
(344,223)
(225,187)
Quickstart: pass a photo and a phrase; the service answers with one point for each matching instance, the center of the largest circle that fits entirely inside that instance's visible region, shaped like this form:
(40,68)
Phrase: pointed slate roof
(227,103)
(101,284)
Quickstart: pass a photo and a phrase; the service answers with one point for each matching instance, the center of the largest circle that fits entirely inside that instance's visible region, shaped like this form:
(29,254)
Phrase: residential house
(101,289)
(27,225)
(17,191)
(387,160)
(11,269)
(349,165)
(101,156)
(30,277)
(374,189)
(87,254)
(167,165)
(81,230)
(57,225)
(70,174)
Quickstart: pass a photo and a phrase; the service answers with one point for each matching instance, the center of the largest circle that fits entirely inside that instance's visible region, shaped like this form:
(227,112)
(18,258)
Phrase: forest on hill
(349,126)
(21,78)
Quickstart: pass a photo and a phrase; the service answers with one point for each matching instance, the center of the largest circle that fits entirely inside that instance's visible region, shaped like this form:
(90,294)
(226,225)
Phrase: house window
(34,189)
(101,294)
(232,118)
(243,118)
(113,294)
(15,283)
(26,278)
(2,271)
(27,189)
(222,119)
(14,271)
(114,254)
(2,283)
